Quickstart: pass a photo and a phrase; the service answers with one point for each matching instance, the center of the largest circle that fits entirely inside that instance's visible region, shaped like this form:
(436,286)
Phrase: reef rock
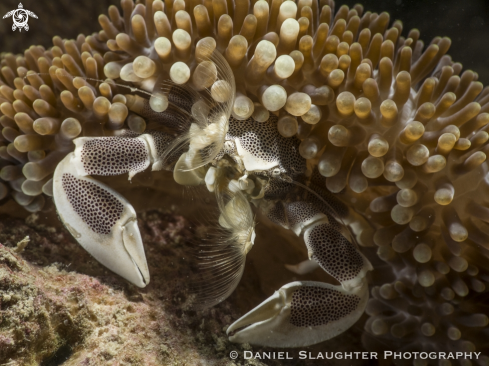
(59,306)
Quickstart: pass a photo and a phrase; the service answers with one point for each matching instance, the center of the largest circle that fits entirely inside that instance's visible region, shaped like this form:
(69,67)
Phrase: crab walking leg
(301,314)
(101,220)
(116,155)
(328,242)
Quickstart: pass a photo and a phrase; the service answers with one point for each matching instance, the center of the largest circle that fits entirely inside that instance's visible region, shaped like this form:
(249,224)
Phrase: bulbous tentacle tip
(301,314)
(101,220)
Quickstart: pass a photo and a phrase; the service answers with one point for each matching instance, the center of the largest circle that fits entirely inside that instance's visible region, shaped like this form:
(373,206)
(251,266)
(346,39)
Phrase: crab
(249,166)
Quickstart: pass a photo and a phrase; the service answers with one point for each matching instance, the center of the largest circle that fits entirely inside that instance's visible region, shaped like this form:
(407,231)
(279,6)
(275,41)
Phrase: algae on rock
(52,314)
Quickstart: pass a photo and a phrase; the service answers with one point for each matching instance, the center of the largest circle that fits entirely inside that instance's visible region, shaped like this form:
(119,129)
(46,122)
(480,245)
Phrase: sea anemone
(397,129)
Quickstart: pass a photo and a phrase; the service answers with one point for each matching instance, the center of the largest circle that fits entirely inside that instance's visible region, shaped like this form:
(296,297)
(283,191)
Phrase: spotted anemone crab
(331,123)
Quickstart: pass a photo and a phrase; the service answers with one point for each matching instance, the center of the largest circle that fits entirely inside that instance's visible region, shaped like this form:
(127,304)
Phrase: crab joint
(102,220)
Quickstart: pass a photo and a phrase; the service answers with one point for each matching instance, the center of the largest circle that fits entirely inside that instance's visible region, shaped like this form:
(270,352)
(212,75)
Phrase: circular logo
(233,355)
(20,18)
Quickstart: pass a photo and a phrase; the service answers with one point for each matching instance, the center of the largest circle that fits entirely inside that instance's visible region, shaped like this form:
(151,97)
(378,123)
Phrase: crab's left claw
(101,220)
(301,314)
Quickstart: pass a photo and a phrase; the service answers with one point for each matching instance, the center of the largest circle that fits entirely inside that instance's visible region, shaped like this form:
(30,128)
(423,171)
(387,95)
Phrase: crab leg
(306,313)
(301,314)
(99,218)
(328,243)
(117,155)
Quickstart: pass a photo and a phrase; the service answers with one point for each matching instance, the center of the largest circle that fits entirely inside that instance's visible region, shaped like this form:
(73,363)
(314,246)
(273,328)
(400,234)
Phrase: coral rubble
(51,313)
(56,310)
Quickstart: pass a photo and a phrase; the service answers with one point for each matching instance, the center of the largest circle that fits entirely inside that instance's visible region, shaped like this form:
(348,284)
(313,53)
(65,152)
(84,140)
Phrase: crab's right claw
(101,220)
(300,314)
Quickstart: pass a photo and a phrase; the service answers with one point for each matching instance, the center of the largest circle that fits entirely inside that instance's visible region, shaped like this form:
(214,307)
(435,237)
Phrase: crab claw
(300,314)
(101,220)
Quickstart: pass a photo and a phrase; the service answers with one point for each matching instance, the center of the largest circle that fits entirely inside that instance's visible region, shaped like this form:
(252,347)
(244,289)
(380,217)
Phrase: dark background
(466,22)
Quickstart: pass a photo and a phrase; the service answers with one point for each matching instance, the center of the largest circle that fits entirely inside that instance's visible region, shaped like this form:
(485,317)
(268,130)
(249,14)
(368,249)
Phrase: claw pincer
(300,314)
(244,163)
(101,220)
(305,313)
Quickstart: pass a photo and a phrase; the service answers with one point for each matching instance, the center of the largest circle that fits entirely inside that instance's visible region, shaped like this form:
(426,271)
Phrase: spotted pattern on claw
(114,155)
(262,139)
(98,208)
(315,306)
(298,212)
(334,253)
(128,133)
(326,205)
(161,140)
(277,214)
(277,189)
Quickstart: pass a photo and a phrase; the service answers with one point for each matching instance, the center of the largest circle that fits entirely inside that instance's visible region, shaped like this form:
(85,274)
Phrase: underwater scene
(244,182)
